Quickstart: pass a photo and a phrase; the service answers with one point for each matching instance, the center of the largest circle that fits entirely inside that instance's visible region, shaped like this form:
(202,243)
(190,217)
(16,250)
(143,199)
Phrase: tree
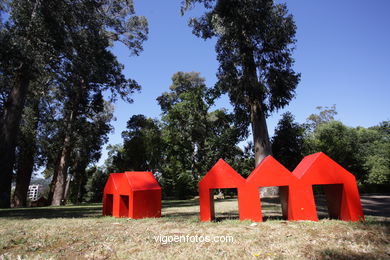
(194,137)
(90,68)
(288,142)
(95,184)
(26,155)
(184,119)
(326,114)
(92,131)
(339,142)
(31,39)
(255,40)
(143,145)
(71,39)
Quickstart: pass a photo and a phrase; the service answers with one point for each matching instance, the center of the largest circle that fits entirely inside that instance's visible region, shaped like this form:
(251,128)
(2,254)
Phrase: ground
(80,232)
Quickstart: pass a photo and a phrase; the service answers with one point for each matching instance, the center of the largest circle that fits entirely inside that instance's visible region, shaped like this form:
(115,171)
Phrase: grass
(80,232)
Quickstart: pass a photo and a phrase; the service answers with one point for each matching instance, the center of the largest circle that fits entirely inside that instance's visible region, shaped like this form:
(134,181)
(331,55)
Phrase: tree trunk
(261,143)
(80,188)
(255,92)
(62,167)
(26,157)
(77,188)
(9,129)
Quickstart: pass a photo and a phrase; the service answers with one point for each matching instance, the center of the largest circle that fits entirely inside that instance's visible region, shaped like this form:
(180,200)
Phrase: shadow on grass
(53,212)
(179,203)
(348,255)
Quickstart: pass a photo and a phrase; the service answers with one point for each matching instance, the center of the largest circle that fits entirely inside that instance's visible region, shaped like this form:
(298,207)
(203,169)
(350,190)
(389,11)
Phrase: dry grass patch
(81,233)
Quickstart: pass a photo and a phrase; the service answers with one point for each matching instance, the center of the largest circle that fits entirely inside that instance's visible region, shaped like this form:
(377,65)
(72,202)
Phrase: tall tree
(92,131)
(185,107)
(27,146)
(194,137)
(255,40)
(90,68)
(65,37)
(30,40)
(142,144)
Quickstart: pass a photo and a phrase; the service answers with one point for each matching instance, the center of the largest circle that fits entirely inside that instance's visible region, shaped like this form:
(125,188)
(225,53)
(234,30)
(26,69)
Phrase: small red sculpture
(132,194)
(295,189)
(269,173)
(220,176)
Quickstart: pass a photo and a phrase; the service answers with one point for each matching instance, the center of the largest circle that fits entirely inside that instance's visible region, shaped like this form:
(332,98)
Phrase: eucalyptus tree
(255,41)
(89,68)
(91,135)
(59,35)
(26,150)
(31,39)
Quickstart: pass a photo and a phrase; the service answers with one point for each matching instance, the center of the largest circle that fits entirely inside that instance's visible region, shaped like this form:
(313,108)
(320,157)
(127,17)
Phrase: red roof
(319,168)
(222,175)
(113,182)
(142,181)
(270,173)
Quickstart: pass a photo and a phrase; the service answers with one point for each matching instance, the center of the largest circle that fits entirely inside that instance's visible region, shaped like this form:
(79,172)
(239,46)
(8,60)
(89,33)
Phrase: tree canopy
(255,40)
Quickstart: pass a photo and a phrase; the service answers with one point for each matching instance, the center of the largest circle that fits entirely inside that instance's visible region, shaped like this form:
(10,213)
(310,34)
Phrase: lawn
(80,232)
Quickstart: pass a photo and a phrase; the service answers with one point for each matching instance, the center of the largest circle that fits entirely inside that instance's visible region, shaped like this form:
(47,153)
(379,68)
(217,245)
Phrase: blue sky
(342,52)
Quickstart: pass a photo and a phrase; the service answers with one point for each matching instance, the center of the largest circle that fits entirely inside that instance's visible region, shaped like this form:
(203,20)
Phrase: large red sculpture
(132,194)
(296,192)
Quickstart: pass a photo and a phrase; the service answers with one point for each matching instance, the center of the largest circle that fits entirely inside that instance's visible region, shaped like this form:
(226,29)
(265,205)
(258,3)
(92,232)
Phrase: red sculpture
(340,189)
(296,191)
(132,194)
(269,173)
(220,176)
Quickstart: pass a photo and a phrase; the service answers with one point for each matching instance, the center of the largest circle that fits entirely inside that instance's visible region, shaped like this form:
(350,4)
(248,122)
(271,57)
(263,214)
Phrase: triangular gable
(270,173)
(113,182)
(142,181)
(222,175)
(305,164)
(322,169)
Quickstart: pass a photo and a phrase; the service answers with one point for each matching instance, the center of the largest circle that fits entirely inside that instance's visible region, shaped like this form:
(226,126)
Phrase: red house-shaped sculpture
(296,189)
(132,194)
(339,185)
(270,173)
(221,176)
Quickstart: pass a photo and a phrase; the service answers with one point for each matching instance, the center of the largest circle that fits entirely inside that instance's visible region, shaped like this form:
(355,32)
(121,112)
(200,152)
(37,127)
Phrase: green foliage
(338,142)
(288,142)
(95,184)
(185,127)
(326,114)
(364,152)
(376,146)
(186,144)
(142,145)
